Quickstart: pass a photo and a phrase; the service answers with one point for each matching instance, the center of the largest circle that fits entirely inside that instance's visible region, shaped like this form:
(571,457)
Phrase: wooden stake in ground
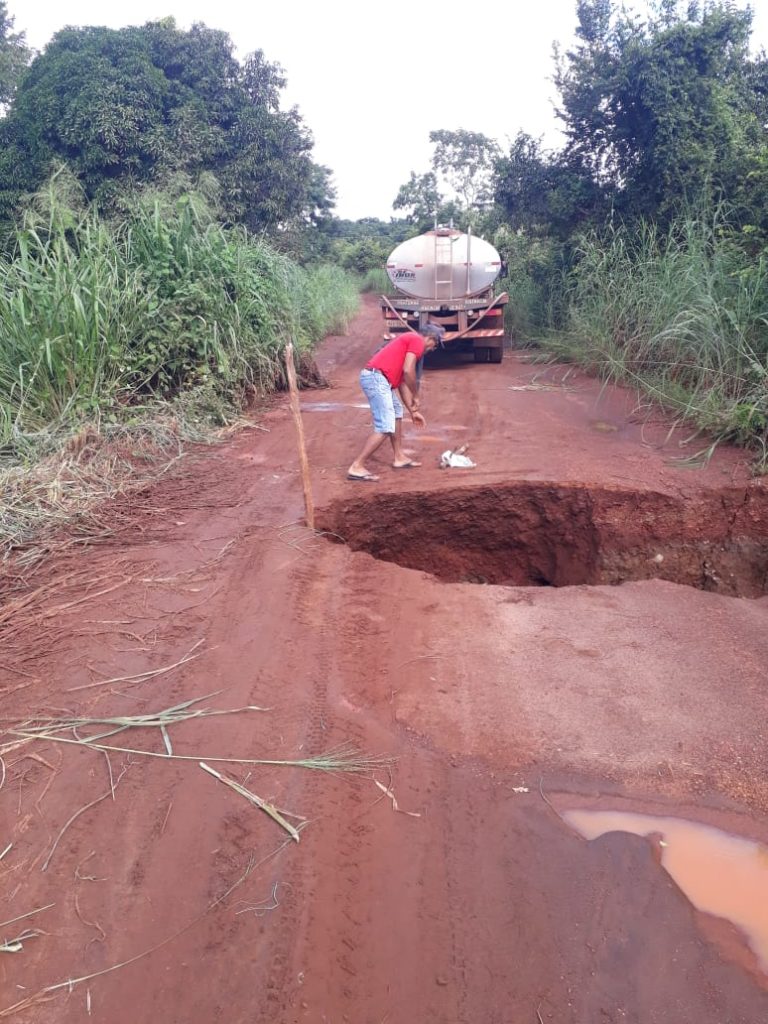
(293,390)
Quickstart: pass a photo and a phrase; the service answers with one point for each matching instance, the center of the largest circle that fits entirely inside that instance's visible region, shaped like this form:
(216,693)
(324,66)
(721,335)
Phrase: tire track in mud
(336,804)
(305,592)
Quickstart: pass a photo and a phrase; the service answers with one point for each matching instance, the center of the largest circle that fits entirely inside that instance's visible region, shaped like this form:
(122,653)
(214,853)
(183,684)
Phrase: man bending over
(389,382)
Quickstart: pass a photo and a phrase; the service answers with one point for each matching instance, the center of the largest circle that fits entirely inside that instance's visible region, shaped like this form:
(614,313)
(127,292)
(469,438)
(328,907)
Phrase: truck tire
(495,355)
(480,353)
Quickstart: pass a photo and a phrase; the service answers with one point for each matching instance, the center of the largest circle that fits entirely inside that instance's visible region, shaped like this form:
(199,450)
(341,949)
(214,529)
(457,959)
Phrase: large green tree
(14,56)
(459,184)
(546,192)
(135,106)
(465,162)
(420,198)
(658,110)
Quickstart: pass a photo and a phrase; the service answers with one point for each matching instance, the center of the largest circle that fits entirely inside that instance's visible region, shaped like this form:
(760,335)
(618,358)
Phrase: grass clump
(536,275)
(377,280)
(95,315)
(681,314)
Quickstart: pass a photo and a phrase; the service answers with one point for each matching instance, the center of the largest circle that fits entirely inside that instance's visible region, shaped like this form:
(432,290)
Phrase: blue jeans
(385,403)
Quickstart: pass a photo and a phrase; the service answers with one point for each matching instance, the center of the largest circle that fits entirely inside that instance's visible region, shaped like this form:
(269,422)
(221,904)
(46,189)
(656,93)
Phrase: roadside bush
(681,314)
(536,283)
(96,316)
(364,254)
(378,281)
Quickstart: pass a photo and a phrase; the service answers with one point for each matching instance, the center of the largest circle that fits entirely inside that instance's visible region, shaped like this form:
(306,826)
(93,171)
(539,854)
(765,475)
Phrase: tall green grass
(96,317)
(682,314)
(535,282)
(377,280)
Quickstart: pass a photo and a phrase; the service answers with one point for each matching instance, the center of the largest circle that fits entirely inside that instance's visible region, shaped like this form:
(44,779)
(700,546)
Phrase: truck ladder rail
(443,248)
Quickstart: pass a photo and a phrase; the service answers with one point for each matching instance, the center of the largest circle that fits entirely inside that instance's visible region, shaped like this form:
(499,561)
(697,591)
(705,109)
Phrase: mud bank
(559,535)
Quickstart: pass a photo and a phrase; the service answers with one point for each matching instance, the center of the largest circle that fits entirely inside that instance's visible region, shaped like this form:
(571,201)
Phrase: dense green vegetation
(681,312)
(136,105)
(160,243)
(96,315)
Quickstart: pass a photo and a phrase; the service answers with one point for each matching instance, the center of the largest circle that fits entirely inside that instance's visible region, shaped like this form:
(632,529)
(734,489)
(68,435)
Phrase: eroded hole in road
(559,535)
(721,874)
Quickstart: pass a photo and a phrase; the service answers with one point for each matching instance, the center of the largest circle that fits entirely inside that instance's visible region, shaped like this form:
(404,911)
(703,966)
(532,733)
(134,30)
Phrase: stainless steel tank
(443,264)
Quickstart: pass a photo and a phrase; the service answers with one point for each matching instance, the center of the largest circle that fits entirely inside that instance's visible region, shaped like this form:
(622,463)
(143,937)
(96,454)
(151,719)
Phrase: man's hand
(418,419)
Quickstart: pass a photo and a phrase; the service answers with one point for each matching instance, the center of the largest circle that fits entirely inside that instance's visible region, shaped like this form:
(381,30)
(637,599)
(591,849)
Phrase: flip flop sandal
(409,465)
(368,478)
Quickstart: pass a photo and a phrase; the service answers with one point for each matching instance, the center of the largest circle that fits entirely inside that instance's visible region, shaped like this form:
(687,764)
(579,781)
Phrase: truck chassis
(475,324)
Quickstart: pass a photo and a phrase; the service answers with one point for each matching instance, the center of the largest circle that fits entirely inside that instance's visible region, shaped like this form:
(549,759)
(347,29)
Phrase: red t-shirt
(391,358)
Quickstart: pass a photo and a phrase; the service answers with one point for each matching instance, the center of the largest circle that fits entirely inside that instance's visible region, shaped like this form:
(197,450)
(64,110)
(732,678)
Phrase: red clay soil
(502,705)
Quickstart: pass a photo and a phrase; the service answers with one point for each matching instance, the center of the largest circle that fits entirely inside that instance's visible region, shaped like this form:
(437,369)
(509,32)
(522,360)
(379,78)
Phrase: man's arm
(409,374)
(410,401)
(409,389)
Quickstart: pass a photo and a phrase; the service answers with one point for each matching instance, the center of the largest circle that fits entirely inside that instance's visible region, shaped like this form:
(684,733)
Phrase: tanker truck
(447,277)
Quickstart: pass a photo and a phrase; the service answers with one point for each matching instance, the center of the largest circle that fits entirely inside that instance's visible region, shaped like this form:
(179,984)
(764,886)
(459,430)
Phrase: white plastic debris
(457,459)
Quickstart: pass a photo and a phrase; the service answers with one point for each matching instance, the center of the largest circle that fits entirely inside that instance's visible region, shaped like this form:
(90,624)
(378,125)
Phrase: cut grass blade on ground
(48,992)
(23,917)
(48,728)
(139,677)
(256,800)
(344,759)
(113,784)
(16,945)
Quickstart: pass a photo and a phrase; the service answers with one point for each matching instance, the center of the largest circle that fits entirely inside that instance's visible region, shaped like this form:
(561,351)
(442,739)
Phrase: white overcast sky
(372,80)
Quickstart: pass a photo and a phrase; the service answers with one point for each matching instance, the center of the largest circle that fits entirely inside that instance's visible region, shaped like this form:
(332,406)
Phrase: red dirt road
(503,706)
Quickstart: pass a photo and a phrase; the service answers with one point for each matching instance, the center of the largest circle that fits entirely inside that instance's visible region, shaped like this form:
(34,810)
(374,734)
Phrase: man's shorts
(385,403)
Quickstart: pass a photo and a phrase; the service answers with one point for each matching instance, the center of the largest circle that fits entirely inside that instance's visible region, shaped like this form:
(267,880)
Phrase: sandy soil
(501,705)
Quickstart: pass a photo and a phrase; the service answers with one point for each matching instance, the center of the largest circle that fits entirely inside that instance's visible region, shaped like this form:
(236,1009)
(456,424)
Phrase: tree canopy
(459,184)
(655,112)
(660,108)
(135,106)
(14,56)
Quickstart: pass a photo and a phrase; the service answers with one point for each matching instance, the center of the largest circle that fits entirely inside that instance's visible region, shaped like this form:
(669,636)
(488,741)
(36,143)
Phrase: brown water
(331,406)
(720,873)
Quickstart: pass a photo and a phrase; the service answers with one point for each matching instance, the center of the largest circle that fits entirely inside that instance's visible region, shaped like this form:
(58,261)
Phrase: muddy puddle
(721,874)
(331,406)
(541,534)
